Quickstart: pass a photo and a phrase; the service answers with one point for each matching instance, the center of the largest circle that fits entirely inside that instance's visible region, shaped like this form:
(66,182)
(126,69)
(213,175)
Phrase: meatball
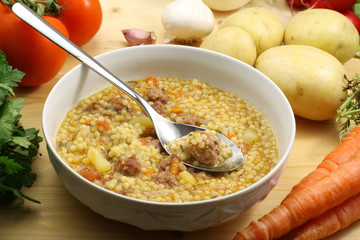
(119,103)
(157,94)
(165,177)
(206,155)
(151,141)
(189,119)
(128,167)
(159,107)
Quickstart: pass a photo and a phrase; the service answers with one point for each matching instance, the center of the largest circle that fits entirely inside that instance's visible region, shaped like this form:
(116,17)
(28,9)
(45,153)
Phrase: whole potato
(264,26)
(325,29)
(225,5)
(312,79)
(232,41)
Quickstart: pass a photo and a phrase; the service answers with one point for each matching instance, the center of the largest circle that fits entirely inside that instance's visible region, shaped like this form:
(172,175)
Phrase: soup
(109,140)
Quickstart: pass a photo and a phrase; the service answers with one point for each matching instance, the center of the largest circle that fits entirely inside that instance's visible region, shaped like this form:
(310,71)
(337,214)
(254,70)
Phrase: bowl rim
(163,47)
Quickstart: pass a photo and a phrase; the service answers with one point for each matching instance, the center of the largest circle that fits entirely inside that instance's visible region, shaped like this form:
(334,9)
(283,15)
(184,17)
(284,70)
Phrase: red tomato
(82,18)
(29,51)
(353,18)
(340,5)
(318,4)
(4,9)
(298,3)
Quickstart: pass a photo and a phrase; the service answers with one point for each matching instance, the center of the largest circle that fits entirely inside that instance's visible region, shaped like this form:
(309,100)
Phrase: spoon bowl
(166,130)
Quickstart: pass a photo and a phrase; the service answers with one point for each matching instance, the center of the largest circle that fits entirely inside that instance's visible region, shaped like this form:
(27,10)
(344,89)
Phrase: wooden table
(61,216)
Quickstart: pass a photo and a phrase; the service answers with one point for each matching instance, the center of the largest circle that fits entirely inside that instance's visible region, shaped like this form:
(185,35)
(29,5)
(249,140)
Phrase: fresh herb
(356,10)
(349,111)
(18,146)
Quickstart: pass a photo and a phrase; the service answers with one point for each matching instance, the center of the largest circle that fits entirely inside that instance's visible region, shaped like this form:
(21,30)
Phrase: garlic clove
(188,19)
(136,36)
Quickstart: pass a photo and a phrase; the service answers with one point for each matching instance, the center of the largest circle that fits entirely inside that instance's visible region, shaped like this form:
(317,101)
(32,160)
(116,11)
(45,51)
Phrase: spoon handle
(39,24)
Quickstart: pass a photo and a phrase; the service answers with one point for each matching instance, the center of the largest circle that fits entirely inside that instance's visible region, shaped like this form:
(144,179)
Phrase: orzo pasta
(108,139)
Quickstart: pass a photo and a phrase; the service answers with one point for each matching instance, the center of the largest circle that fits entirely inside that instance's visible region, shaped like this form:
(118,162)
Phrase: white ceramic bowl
(169,60)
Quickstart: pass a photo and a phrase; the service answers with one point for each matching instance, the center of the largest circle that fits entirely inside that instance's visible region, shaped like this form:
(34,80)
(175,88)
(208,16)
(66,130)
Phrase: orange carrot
(179,93)
(174,164)
(331,221)
(151,79)
(90,175)
(230,136)
(333,189)
(149,171)
(88,121)
(177,110)
(143,141)
(337,157)
(104,124)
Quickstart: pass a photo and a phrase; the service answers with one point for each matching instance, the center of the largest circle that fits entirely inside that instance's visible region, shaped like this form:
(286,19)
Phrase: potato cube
(188,177)
(98,160)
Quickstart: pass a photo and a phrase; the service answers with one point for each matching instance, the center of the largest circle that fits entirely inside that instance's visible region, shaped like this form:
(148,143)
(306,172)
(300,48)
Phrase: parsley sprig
(349,111)
(18,146)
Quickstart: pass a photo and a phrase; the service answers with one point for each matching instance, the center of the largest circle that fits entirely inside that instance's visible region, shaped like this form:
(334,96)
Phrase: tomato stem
(41,7)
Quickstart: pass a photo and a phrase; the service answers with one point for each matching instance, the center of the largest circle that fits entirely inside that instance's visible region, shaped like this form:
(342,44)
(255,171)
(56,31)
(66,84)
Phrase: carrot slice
(174,164)
(177,110)
(88,121)
(151,79)
(230,136)
(179,93)
(337,157)
(333,189)
(143,141)
(104,124)
(149,171)
(90,175)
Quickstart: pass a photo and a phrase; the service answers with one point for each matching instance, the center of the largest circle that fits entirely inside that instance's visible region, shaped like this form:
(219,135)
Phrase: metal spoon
(166,130)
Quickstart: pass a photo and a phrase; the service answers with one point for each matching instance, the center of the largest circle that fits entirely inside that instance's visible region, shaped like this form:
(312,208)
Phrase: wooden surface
(61,216)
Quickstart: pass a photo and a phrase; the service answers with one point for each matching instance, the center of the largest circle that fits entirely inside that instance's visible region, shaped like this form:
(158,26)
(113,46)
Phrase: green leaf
(21,141)
(17,145)
(8,76)
(19,195)
(6,87)
(6,125)
(9,166)
(9,115)
(356,9)
(28,179)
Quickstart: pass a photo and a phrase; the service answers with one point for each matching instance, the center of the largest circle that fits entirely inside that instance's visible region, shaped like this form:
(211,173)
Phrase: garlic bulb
(188,20)
(225,5)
